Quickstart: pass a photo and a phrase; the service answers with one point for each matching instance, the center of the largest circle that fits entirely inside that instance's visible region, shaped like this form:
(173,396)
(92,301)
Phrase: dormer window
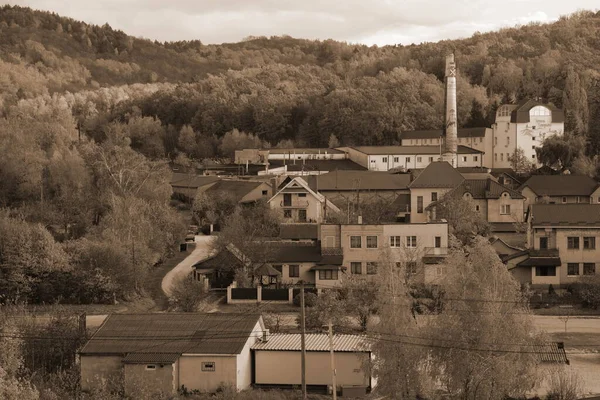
(539,111)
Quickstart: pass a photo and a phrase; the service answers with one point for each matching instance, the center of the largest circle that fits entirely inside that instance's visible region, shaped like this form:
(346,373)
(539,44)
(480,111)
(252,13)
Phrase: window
(501,156)
(355,242)
(496,141)
(505,209)
(208,366)
(495,156)
(407,159)
(411,241)
(431,160)
(294,271)
(564,199)
(545,271)
(328,275)
(477,208)
(433,196)
(395,241)
(265,192)
(572,269)
(539,111)
(371,268)
(371,242)
(464,158)
(438,242)
(396,159)
(572,242)
(287,200)
(384,159)
(420,204)
(356,268)
(507,140)
(419,159)
(475,158)
(533,156)
(480,140)
(589,269)
(150,367)
(372,161)
(287,213)
(589,243)
(301,194)
(543,243)
(411,267)
(302,215)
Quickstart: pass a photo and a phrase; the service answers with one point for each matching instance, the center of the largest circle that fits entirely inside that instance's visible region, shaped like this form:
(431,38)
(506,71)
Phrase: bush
(588,290)
(310,299)
(187,294)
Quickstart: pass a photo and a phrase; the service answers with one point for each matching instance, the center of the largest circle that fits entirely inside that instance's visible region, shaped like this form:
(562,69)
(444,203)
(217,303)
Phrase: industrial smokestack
(450,121)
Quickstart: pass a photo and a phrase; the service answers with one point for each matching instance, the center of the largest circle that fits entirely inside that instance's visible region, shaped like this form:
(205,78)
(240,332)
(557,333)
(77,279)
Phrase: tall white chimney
(450,120)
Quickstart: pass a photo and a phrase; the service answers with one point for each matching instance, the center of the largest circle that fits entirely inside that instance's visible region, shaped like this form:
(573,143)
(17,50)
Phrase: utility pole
(303,340)
(333,372)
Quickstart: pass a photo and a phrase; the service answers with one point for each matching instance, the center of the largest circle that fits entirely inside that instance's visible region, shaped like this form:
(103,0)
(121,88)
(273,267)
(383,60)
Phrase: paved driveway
(201,252)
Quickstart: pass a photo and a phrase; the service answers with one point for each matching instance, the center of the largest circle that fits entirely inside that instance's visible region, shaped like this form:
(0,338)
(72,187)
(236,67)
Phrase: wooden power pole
(333,372)
(303,340)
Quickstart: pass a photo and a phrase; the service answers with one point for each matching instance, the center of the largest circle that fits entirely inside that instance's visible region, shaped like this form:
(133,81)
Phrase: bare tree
(564,384)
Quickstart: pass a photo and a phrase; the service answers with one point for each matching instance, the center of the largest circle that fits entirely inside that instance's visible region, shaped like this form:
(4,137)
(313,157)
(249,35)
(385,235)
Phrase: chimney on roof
(360,219)
(265,336)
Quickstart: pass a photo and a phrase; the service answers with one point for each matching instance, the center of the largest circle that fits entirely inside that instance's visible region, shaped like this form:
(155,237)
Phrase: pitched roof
(238,189)
(410,150)
(299,231)
(295,252)
(560,185)
(191,180)
(317,165)
(437,133)
(169,333)
(150,358)
(439,174)
(503,227)
(565,214)
(362,180)
(266,270)
(552,353)
(520,113)
(314,342)
(301,182)
(485,189)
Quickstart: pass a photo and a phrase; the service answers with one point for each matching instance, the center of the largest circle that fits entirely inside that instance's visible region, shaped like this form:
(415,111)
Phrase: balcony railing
(294,204)
(436,251)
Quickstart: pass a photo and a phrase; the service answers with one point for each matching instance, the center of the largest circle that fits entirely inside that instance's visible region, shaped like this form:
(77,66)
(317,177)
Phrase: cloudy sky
(378,22)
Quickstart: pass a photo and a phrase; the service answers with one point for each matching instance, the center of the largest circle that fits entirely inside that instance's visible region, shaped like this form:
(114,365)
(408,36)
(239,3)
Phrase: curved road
(202,251)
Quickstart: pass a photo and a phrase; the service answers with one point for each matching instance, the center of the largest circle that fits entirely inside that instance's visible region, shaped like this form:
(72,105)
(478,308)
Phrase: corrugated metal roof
(172,333)
(552,353)
(565,214)
(410,150)
(314,342)
(151,358)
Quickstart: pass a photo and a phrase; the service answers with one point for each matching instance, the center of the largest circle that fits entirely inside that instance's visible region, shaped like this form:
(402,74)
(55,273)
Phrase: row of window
(437,141)
(302,216)
(580,199)
(395,241)
(420,159)
(589,242)
(293,270)
(572,270)
(356,268)
(507,156)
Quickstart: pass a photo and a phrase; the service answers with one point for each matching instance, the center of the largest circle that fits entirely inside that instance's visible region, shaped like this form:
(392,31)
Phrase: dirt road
(201,252)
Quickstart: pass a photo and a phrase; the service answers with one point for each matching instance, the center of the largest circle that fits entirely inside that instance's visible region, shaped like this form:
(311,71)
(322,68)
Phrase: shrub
(310,299)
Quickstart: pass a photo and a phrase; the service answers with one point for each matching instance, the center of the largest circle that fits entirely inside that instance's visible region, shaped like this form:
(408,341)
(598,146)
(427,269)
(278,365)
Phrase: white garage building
(277,362)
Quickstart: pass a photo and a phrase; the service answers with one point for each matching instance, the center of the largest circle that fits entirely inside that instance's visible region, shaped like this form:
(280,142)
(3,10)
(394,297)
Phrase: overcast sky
(378,22)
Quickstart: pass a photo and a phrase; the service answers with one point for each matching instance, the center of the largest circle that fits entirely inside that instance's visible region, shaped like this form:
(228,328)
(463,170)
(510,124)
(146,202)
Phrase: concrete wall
(192,376)
(358,157)
(139,379)
(283,368)
(329,234)
(306,274)
(416,217)
(256,194)
(244,359)
(98,370)
(309,203)
(494,209)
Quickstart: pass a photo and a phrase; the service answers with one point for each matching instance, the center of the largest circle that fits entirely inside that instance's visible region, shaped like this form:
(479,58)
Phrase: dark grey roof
(170,333)
(552,353)
(437,133)
(506,227)
(409,150)
(299,231)
(565,214)
(439,174)
(317,165)
(521,112)
(485,189)
(151,358)
(238,189)
(293,252)
(560,185)
(331,260)
(191,180)
(361,180)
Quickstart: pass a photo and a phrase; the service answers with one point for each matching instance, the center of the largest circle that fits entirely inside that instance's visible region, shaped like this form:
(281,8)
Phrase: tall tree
(575,104)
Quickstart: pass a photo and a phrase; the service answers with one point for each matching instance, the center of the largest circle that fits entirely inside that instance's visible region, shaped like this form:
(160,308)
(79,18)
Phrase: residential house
(296,262)
(475,138)
(365,247)
(561,239)
(188,185)
(243,191)
(277,362)
(431,185)
(560,189)
(166,351)
(525,126)
(385,158)
(297,202)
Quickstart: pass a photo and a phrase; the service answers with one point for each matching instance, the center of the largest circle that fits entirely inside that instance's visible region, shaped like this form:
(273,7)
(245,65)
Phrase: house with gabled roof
(164,352)
(297,202)
(243,191)
(561,189)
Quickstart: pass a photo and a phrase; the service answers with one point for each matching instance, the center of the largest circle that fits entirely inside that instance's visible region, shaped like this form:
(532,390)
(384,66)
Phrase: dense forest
(89,118)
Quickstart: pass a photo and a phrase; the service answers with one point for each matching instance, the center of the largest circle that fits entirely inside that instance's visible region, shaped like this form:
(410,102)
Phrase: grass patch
(578,341)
